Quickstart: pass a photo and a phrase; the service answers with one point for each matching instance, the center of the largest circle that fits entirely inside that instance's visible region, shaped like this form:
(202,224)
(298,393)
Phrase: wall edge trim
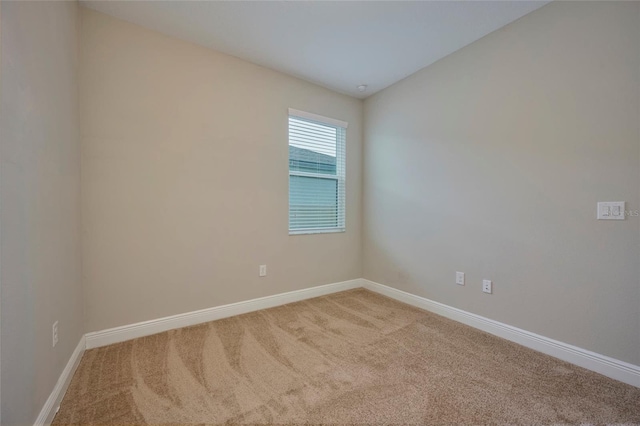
(159,325)
(602,364)
(52,404)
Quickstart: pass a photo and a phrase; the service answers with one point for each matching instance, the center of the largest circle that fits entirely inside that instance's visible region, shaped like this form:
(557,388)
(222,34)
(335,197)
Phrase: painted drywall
(40,208)
(491,162)
(185,178)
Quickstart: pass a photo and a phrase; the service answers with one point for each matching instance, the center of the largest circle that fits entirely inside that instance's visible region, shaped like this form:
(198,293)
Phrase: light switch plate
(611,210)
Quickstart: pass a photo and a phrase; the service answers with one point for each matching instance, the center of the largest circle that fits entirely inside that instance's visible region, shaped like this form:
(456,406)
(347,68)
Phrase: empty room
(319,212)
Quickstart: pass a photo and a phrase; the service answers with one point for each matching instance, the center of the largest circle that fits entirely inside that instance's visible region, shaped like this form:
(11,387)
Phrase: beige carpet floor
(350,357)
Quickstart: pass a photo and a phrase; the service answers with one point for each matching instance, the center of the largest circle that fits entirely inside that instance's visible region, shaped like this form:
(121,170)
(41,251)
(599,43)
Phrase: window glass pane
(313,202)
(305,160)
(308,135)
(312,147)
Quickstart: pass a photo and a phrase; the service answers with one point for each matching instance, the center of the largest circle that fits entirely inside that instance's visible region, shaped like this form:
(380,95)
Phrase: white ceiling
(336,44)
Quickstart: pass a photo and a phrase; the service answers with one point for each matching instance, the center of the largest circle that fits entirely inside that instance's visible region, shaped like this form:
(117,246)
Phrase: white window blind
(316,173)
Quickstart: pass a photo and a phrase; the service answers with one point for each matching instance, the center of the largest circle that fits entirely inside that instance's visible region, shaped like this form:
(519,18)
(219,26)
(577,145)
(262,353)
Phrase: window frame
(339,177)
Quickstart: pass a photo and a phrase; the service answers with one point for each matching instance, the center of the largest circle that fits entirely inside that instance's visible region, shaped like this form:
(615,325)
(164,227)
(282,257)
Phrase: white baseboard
(607,366)
(147,328)
(50,408)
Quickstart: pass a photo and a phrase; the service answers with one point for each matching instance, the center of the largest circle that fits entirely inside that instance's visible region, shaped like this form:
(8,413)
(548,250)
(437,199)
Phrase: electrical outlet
(460,278)
(487,286)
(263,270)
(54,330)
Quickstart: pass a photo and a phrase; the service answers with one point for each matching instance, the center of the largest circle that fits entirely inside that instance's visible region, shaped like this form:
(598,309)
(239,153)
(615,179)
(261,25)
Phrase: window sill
(316,231)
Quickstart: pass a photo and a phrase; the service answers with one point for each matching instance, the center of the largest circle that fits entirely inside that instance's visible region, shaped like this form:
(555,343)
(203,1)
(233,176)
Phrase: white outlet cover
(263,270)
(487,286)
(460,278)
(611,210)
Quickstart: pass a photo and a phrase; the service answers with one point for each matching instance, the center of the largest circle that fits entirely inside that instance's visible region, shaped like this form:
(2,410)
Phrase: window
(316,173)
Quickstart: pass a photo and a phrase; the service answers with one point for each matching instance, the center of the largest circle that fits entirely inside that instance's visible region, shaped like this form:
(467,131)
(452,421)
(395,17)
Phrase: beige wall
(185,178)
(491,162)
(40,210)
